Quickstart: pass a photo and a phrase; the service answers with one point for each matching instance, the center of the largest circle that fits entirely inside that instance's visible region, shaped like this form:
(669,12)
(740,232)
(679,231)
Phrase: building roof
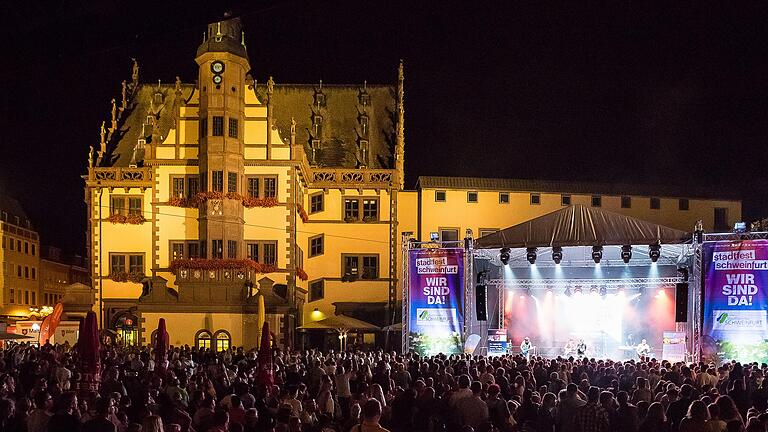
(587,188)
(339,322)
(341,122)
(578,225)
(13,208)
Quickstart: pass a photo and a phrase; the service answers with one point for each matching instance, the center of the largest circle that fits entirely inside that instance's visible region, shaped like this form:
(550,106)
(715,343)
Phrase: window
(503,197)
(264,252)
(449,234)
(535,199)
(217,251)
(203,127)
(26,248)
(232,182)
(34,298)
(472,197)
(217,181)
(18,245)
(136,264)
(26,297)
(316,290)
(626,202)
(316,245)
(126,262)
(682,204)
(177,187)
(270,187)
(34,273)
(10,241)
(203,339)
(353,270)
(125,205)
(11,297)
(565,200)
(184,249)
(253,187)
(18,271)
(597,200)
(655,203)
(316,202)
(185,187)
(721,219)
(439,196)
(357,209)
(223,340)
(218,126)
(232,128)
(486,231)
(232,249)
(26,272)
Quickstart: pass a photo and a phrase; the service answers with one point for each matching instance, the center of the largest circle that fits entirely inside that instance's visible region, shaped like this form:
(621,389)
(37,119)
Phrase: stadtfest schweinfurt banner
(735,300)
(436,301)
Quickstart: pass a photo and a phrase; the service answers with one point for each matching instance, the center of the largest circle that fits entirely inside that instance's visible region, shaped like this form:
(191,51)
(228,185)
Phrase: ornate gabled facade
(204,197)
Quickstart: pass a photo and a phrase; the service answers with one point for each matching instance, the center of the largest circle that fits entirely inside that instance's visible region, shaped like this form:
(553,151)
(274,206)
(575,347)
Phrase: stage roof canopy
(578,225)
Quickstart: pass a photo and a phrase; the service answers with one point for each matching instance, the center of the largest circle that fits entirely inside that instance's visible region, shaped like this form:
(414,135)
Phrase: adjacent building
(205,199)
(20,258)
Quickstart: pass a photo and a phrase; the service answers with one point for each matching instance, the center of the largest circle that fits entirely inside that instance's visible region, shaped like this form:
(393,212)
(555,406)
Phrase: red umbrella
(162,343)
(265,375)
(89,363)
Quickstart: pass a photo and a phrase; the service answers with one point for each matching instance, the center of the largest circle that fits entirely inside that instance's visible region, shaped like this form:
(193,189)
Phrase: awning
(339,322)
(14,336)
(578,225)
(394,327)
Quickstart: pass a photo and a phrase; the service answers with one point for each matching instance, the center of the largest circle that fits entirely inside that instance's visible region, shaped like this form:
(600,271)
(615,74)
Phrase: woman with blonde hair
(152,424)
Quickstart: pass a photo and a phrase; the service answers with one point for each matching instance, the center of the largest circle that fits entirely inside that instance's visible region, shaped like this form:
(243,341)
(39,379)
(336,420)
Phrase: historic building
(20,257)
(207,199)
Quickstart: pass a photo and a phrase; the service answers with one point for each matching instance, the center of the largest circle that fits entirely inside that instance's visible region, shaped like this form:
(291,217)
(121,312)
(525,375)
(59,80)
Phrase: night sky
(563,92)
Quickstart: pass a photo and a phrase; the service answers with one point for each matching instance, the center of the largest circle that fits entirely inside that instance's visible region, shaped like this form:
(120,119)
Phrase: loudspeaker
(481,300)
(681,302)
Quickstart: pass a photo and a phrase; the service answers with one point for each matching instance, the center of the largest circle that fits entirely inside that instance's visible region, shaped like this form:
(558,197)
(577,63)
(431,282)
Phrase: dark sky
(625,92)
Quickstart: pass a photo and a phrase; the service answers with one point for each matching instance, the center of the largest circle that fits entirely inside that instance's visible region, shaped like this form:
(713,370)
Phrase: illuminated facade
(203,198)
(20,258)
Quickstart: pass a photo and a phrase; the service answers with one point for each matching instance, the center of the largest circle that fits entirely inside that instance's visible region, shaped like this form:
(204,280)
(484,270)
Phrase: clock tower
(223,65)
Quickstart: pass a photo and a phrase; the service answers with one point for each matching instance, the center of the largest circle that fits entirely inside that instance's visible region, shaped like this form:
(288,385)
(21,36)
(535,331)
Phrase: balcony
(329,178)
(119,177)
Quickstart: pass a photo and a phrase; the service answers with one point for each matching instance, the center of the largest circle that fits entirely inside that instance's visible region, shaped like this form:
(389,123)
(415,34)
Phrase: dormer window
(315,144)
(319,99)
(364,124)
(364,99)
(149,120)
(158,98)
(317,124)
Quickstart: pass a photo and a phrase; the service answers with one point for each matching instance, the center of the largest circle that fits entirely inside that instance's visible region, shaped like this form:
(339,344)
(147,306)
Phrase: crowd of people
(205,391)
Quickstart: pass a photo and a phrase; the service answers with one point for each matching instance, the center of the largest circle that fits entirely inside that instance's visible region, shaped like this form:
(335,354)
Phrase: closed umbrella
(89,362)
(162,342)
(265,375)
(261,313)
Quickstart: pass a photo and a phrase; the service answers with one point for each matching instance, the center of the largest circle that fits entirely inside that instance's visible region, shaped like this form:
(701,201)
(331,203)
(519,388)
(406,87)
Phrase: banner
(435,301)
(673,346)
(497,342)
(735,301)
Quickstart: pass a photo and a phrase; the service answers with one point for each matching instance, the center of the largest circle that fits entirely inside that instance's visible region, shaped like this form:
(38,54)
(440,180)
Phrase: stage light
(481,277)
(577,290)
(661,293)
(626,253)
(593,290)
(568,292)
(654,252)
(557,254)
(531,255)
(603,292)
(597,254)
(504,257)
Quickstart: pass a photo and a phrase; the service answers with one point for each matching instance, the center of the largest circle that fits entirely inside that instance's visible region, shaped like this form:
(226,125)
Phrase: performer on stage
(581,349)
(570,348)
(525,348)
(643,349)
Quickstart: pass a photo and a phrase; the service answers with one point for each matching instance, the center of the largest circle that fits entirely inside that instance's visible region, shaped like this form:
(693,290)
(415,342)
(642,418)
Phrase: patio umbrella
(89,363)
(49,324)
(161,348)
(265,375)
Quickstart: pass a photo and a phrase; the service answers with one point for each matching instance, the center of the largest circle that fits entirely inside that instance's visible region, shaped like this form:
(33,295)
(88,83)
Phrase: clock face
(217,67)
(217,79)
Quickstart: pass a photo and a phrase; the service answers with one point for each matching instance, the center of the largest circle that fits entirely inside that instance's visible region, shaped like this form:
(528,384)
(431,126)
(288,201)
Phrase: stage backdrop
(436,301)
(735,301)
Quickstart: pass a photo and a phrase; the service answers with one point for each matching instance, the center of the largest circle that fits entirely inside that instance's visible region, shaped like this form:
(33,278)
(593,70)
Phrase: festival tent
(340,322)
(579,225)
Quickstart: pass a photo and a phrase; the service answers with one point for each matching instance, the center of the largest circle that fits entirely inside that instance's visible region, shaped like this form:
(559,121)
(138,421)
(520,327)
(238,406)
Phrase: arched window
(203,339)
(223,340)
